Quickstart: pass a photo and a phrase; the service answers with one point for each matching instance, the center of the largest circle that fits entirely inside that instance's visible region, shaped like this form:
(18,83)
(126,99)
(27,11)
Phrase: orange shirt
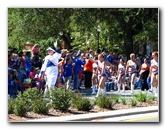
(61,63)
(88,65)
(144,67)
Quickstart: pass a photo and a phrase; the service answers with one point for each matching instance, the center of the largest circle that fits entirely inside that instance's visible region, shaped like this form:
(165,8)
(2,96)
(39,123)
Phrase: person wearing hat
(50,67)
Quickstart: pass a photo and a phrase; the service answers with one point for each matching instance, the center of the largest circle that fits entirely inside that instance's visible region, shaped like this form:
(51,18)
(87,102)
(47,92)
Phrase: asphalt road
(148,117)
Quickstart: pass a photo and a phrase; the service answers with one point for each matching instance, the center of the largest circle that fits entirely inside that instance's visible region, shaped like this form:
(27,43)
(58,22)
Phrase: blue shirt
(28,63)
(15,62)
(109,59)
(68,70)
(78,65)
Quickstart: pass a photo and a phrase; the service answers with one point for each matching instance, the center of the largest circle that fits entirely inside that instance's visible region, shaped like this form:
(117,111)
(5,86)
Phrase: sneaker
(93,93)
(123,91)
(156,95)
(132,92)
(118,91)
(150,90)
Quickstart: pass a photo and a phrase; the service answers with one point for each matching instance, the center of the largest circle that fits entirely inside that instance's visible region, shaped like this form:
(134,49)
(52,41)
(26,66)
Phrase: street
(148,117)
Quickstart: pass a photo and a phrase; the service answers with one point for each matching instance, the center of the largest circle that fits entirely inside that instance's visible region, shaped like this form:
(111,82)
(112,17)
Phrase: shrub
(11,103)
(133,102)
(20,107)
(123,100)
(81,103)
(115,98)
(104,102)
(150,99)
(61,99)
(30,96)
(141,97)
(40,106)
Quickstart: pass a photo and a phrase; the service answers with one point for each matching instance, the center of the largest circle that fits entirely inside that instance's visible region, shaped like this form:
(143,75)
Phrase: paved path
(87,93)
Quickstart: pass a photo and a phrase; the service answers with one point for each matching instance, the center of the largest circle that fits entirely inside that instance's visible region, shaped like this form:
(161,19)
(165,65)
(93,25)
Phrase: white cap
(50,49)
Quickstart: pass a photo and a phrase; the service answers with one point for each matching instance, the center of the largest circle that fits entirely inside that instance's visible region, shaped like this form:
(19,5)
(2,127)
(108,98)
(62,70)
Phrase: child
(32,76)
(40,82)
(68,72)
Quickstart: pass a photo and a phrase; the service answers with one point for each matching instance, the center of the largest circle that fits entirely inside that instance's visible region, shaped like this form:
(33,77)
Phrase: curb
(89,117)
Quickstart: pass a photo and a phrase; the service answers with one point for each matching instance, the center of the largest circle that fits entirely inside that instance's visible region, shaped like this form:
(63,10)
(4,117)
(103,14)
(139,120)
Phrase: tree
(121,27)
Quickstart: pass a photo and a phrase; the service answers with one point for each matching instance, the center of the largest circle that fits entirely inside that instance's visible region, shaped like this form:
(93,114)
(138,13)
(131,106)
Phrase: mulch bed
(72,111)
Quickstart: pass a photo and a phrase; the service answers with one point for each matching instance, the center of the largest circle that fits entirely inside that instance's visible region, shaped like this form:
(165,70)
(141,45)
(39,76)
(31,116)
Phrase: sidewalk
(91,116)
(87,93)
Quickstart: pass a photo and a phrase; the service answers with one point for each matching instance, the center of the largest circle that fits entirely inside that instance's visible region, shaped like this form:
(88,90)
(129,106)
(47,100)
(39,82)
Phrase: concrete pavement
(100,115)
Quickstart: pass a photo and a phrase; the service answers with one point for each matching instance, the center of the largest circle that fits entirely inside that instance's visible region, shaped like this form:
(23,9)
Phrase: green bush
(133,102)
(141,97)
(20,107)
(104,102)
(150,99)
(29,96)
(61,99)
(115,98)
(11,103)
(123,100)
(81,103)
(40,106)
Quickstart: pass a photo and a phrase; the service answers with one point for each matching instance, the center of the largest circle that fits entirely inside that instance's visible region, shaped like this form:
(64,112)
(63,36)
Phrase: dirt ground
(72,111)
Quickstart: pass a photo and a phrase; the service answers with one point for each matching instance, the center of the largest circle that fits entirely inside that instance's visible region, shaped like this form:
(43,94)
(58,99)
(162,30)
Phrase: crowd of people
(102,72)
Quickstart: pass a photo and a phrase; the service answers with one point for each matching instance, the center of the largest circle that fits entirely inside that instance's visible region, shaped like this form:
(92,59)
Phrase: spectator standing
(88,70)
(77,67)
(68,72)
(144,75)
(35,50)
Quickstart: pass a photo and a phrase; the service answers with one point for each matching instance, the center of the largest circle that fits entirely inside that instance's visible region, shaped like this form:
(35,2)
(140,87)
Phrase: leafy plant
(29,96)
(133,102)
(11,103)
(141,97)
(115,98)
(123,100)
(104,102)
(61,99)
(40,106)
(81,103)
(20,107)
(150,99)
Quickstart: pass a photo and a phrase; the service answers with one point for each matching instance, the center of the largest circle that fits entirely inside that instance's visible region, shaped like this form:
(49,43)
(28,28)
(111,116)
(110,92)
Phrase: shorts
(106,74)
(156,73)
(80,74)
(132,72)
(121,74)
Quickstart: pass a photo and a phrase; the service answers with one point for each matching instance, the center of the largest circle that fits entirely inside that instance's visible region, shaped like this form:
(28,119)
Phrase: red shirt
(88,65)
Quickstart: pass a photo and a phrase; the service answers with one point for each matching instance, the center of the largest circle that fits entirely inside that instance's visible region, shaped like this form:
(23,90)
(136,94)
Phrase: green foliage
(115,98)
(61,99)
(104,102)
(119,26)
(29,96)
(150,98)
(40,106)
(123,100)
(133,102)
(81,103)
(141,97)
(11,103)
(20,107)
